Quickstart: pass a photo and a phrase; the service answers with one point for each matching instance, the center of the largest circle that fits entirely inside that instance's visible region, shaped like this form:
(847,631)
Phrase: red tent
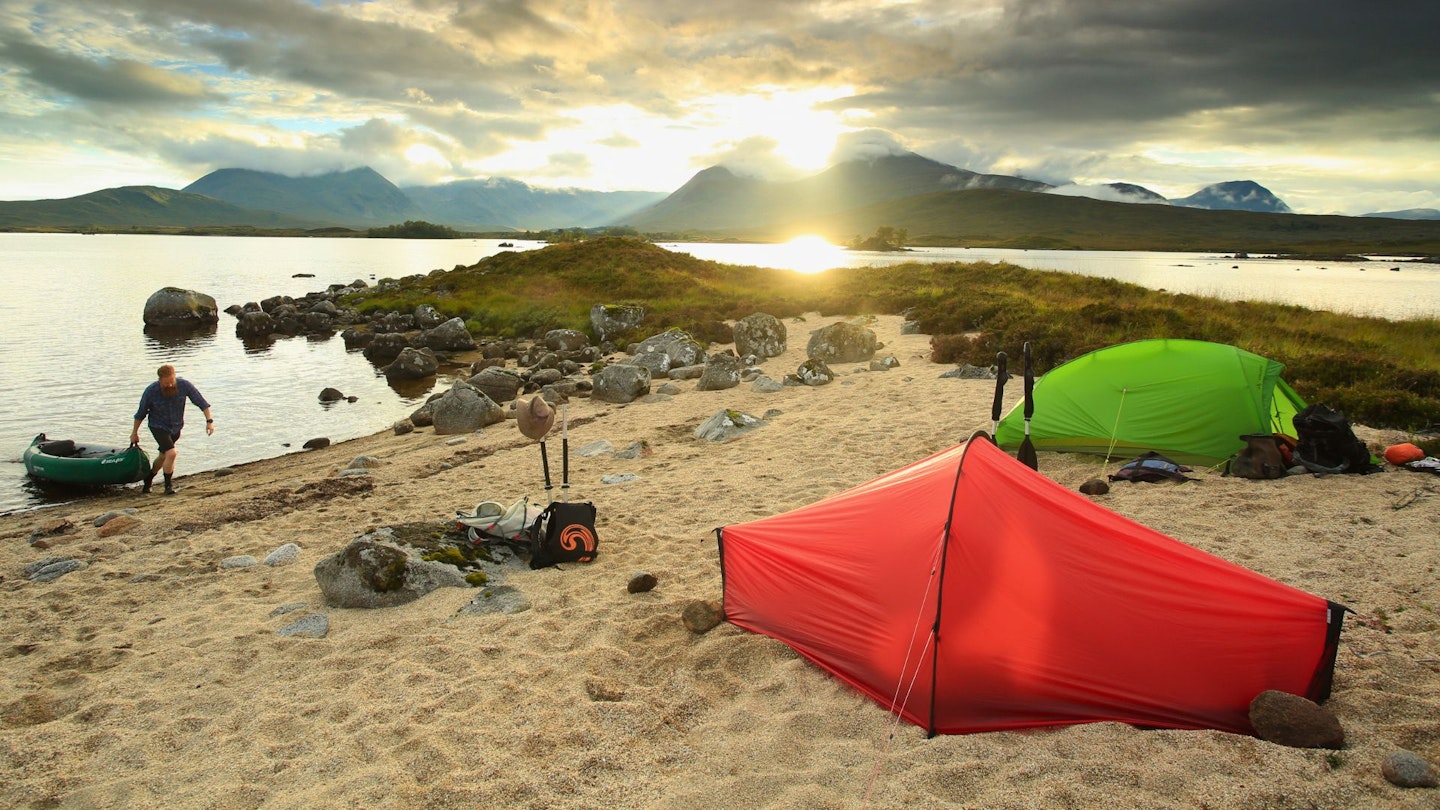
(969,593)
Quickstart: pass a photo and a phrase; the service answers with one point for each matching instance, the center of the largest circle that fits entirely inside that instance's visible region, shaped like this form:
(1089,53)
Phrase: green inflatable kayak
(66,461)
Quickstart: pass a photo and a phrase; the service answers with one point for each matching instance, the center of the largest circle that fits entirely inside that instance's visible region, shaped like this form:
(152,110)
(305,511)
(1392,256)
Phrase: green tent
(1188,400)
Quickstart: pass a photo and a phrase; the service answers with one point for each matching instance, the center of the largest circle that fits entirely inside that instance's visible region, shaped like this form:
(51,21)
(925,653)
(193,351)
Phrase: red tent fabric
(969,593)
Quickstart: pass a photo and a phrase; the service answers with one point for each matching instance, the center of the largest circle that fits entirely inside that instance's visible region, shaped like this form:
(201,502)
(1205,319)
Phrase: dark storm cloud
(361,59)
(1093,67)
(111,81)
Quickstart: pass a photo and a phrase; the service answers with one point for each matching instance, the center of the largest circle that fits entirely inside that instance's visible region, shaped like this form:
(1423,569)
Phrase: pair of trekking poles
(1026,454)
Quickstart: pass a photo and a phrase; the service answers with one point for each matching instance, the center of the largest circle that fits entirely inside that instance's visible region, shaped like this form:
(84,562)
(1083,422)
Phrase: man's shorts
(164,438)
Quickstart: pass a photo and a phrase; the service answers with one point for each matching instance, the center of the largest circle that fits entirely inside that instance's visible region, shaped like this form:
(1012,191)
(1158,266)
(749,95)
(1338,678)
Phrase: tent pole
(930,729)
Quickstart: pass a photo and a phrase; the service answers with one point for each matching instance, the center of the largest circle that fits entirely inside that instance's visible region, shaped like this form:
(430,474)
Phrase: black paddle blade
(1026,453)
(1000,378)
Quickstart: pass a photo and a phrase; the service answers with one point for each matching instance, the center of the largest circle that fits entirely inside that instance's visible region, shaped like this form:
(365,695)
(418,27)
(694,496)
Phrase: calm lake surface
(76,356)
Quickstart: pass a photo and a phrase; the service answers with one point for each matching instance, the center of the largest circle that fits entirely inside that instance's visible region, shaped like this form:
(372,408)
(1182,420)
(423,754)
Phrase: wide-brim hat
(535,417)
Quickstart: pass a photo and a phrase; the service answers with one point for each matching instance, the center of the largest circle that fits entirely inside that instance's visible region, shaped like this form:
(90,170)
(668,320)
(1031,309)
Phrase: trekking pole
(565,450)
(545,461)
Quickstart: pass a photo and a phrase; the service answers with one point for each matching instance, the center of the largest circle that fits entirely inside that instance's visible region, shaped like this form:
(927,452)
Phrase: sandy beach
(155,678)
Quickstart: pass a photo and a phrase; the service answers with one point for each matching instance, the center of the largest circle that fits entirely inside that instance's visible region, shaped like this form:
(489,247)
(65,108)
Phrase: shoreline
(153,677)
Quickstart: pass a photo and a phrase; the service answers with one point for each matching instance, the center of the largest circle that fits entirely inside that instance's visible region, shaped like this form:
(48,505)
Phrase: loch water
(76,354)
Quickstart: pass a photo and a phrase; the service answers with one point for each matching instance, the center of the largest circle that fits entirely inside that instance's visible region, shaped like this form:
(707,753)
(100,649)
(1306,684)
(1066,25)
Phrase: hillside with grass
(1381,373)
(140,207)
(1017,219)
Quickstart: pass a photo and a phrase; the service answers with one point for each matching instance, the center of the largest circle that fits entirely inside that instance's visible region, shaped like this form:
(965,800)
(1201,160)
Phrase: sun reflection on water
(810,254)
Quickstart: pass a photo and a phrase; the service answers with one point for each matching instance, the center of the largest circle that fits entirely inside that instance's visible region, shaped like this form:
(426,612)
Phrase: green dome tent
(1189,400)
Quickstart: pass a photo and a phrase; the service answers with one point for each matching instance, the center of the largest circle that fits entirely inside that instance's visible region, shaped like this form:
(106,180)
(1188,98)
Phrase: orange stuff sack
(1398,454)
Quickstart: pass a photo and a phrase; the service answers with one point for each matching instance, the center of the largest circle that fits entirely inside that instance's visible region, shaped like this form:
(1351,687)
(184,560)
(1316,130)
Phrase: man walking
(163,402)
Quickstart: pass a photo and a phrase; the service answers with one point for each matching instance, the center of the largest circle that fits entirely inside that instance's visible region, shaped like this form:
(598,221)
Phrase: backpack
(1261,458)
(1150,468)
(496,523)
(1327,443)
(565,532)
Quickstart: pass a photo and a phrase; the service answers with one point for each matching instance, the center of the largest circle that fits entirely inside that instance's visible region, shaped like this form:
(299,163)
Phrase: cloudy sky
(1334,105)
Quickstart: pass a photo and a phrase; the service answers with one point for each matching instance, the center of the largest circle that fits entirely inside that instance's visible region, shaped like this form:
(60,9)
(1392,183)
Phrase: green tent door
(1189,400)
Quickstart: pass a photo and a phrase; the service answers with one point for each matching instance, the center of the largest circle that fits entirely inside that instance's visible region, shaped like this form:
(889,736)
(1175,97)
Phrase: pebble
(496,599)
(641,582)
(283,555)
(595,448)
(316,625)
(52,568)
(114,513)
(640,449)
(1407,770)
(618,478)
(290,607)
(239,561)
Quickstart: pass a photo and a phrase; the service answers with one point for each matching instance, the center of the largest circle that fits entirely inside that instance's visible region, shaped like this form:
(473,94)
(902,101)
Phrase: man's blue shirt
(168,413)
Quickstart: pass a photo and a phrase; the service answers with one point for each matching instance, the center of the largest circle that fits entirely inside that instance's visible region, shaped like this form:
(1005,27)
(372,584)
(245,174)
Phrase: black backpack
(565,532)
(1327,443)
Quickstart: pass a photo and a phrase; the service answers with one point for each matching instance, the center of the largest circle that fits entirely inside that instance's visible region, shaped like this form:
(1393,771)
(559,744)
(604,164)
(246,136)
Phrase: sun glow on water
(810,254)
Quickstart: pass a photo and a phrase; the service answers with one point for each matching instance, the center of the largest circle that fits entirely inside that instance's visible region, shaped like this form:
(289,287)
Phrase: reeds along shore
(154,678)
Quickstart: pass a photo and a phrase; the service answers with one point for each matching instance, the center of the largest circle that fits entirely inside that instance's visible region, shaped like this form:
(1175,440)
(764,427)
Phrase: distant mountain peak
(1235,195)
(1408,213)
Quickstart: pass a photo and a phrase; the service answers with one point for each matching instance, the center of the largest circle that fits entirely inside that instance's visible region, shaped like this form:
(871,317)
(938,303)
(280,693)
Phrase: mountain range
(903,190)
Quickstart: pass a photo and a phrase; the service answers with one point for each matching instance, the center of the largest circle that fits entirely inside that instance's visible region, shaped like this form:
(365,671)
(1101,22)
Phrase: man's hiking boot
(169,488)
(149,479)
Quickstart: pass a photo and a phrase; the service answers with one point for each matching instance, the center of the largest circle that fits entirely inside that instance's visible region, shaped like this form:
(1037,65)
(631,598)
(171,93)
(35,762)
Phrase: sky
(1333,105)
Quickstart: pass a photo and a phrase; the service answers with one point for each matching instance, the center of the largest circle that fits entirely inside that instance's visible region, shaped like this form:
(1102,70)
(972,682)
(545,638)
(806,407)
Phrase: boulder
(386,346)
(841,343)
(412,364)
(317,323)
(761,335)
(254,324)
(373,571)
(463,409)
(726,425)
(450,336)
(174,308)
(497,383)
(621,383)
(274,302)
(565,340)
(657,363)
(814,372)
(427,317)
(675,345)
(610,322)
(331,395)
(721,371)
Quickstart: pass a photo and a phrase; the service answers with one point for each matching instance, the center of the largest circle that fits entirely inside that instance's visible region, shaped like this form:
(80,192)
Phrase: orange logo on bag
(577,536)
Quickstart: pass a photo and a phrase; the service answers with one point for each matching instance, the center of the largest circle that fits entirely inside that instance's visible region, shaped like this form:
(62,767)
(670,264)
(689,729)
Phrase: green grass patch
(1380,373)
